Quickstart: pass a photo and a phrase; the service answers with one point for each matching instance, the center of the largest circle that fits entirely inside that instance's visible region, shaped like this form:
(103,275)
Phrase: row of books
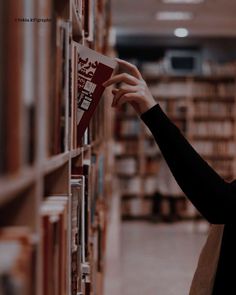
(58,135)
(214,108)
(224,69)
(175,108)
(127,166)
(209,68)
(217,148)
(157,207)
(70,225)
(96,21)
(173,89)
(17,251)
(136,207)
(128,128)
(212,129)
(150,148)
(223,167)
(194,89)
(71,108)
(126,147)
(222,89)
(102,23)
(17,104)
(151,166)
(134,185)
(64,106)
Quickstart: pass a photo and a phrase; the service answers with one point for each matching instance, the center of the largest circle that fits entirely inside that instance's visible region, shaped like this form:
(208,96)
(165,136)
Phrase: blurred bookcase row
(203,107)
(54,189)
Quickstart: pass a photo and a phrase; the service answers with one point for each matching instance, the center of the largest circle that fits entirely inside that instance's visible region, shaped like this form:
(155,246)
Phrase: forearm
(201,184)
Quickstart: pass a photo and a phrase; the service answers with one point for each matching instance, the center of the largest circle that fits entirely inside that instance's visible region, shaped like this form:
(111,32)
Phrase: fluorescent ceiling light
(174,15)
(181,32)
(183,1)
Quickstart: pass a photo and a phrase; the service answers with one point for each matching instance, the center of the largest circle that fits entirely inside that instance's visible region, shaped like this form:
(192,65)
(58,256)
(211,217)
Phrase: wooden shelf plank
(123,175)
(76,152)
(212,137)
(11,185)
(55,162)
(213,118)
(203,78)
(218,157)
(214,98)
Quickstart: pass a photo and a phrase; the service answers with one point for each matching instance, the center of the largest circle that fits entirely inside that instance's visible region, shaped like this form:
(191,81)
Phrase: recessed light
(174,15)
(181,32)
(183,1)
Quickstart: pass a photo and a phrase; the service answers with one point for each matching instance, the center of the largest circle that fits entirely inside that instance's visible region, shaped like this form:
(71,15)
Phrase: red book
(93,70)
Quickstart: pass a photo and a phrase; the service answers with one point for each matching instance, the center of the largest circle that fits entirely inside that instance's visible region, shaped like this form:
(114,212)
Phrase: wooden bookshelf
(46,176)
(203,107)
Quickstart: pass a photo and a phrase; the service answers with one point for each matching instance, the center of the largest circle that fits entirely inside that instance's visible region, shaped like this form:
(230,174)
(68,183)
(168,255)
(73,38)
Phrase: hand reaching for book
(133,89)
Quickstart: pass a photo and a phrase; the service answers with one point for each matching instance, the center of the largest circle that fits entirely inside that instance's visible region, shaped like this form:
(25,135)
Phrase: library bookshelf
(203,107)
(55,190)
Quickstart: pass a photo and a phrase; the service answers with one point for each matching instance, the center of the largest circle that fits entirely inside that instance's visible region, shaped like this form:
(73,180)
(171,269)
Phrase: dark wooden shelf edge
(12,185)
(55,162)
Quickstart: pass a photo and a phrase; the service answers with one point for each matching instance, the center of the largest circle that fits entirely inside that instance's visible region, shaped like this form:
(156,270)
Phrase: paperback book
(93,69)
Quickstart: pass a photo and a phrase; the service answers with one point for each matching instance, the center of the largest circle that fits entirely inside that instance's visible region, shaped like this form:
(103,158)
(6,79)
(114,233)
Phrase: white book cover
(93,70)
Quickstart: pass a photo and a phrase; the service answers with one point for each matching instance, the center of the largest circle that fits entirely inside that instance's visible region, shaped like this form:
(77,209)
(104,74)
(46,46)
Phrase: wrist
(147,105)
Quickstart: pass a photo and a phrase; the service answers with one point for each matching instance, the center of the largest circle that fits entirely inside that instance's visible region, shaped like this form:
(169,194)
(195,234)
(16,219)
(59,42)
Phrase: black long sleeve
(211,195)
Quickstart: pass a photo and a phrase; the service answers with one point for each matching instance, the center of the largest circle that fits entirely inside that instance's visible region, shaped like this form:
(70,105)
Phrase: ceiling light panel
(174,15)
(182,1)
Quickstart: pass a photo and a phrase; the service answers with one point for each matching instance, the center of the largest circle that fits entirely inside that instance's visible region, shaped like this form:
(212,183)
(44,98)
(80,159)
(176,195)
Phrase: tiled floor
(159,259)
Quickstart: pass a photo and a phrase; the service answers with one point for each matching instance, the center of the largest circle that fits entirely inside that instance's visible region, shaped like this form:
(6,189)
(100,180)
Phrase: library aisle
(88,205)
(159,259)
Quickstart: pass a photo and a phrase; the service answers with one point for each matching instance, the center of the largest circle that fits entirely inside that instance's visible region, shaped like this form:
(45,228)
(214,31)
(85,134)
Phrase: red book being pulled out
(93,69)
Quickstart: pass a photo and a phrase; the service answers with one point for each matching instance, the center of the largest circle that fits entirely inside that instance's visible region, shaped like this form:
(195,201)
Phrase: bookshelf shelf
(55,162)
(76,152)
(201,78)
(213,138)
(55,197)
(224,99)
(218,157)
(213,118)
(124,175)
(10,185)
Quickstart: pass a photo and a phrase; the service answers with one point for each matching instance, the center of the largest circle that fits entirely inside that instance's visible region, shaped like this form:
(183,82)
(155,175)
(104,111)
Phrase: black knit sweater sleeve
(211,195)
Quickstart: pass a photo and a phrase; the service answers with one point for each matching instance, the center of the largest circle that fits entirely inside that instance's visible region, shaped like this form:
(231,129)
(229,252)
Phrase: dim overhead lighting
(183,1)
(169,15)
(181,32)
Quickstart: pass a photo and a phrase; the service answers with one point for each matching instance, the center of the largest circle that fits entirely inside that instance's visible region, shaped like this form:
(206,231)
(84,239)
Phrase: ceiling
(211,18)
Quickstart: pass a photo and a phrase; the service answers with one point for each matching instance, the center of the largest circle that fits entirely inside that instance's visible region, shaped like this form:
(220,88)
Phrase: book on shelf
(54,216)
(127,166)
(2,101)
(16,261)
(83,173)
(77,232)
(3,152)
(89,20)
(59,105)
(79,6)
(128,127)
(93,69)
